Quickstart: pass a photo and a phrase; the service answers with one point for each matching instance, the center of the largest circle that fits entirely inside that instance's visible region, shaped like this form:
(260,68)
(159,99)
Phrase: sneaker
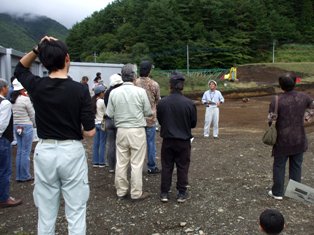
(216,138)
(142,197)
(182,197)
(111,171)
(23,181)
(11,202)
(95,165)
(270,193)
(153,171)
(206,136)
(164,197)
(123,197)
(101,165)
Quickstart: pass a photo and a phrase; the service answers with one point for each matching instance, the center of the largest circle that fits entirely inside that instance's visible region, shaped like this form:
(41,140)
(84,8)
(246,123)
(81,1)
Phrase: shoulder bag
(270,136)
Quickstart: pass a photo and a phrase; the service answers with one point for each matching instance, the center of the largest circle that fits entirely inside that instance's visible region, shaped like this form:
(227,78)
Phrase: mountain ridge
(22,32)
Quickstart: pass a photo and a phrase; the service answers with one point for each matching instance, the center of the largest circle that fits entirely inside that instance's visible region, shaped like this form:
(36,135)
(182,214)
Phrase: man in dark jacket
(176,115)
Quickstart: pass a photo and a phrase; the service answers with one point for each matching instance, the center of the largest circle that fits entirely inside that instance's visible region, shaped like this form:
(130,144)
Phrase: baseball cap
(99,89)
(17,86)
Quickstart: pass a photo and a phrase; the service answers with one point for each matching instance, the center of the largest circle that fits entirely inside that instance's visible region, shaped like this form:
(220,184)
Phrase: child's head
(271,221)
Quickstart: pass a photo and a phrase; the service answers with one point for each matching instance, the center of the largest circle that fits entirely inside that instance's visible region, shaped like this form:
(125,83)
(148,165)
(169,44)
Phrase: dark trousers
(174,151)
(5,168)
(111,143)
(279,167)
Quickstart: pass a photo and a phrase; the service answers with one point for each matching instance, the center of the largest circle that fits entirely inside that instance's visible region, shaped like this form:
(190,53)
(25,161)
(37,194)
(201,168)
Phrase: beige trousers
(131,149)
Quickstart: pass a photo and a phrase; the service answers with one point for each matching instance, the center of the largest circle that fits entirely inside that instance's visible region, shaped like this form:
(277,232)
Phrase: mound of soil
(260,74)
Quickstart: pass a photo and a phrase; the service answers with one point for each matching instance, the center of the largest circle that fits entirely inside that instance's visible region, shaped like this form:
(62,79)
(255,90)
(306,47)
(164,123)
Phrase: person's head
(98,74)
(53,54)
(287,81)
(84,80)
(212,85)
(18,90)
(99,91)
(176,81)
(128,73)
(115,79)
(271,221)
(4,89)
(145,68)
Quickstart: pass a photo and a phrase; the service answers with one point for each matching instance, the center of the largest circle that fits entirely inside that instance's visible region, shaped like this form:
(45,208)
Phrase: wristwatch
(35,50)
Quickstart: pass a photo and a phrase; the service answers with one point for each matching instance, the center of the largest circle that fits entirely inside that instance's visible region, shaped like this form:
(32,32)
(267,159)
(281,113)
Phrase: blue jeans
(24,147)
(5,168)
(279,167)
(99,146)
(151,147)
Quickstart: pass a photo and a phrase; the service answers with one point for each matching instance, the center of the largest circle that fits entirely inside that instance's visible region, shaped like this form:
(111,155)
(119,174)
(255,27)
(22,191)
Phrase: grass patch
(295,53)
(303,68)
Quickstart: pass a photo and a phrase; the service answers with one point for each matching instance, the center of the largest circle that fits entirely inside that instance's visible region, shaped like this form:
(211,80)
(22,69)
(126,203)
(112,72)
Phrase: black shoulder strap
(276,108)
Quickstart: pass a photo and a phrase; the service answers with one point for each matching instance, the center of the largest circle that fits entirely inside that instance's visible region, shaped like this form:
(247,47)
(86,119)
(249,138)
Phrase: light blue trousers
(61,167)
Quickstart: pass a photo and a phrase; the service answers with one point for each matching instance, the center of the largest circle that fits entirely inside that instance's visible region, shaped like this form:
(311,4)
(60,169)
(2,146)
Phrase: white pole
(274,43)
(187,60)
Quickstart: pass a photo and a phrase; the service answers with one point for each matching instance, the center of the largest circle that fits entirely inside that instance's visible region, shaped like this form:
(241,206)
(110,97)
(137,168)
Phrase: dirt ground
(229,180)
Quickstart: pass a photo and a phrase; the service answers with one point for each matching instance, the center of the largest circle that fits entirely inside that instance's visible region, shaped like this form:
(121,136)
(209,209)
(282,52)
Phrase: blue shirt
(212,98)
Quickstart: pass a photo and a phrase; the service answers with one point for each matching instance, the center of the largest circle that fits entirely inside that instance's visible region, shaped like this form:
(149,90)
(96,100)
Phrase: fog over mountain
(23,31)
(66,12)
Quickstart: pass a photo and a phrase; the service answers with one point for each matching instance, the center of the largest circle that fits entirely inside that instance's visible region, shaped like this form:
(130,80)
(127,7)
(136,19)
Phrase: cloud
(66,12)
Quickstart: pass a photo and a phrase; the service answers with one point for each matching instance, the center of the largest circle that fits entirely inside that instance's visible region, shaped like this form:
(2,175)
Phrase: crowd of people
(122,120)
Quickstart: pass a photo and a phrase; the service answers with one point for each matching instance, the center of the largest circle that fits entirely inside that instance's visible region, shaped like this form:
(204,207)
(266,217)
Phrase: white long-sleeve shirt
(212,98)
(100,110)
(5,114)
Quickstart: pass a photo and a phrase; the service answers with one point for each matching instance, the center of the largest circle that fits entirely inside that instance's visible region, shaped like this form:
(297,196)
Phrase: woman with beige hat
(24,120)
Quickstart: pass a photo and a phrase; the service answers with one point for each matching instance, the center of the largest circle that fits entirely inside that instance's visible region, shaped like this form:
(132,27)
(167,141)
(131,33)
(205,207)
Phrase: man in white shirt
(6,137)
(212,99)
(128,105)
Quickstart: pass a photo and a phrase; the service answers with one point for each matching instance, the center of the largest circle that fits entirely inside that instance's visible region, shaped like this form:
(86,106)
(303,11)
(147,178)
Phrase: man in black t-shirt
(62,108)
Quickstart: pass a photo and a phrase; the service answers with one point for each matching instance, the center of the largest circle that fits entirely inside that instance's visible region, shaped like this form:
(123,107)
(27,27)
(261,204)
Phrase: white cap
(212,81)
(17,86)
(115,79)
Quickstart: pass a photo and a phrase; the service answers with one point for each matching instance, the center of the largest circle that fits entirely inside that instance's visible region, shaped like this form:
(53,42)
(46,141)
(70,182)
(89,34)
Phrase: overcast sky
(66,12)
